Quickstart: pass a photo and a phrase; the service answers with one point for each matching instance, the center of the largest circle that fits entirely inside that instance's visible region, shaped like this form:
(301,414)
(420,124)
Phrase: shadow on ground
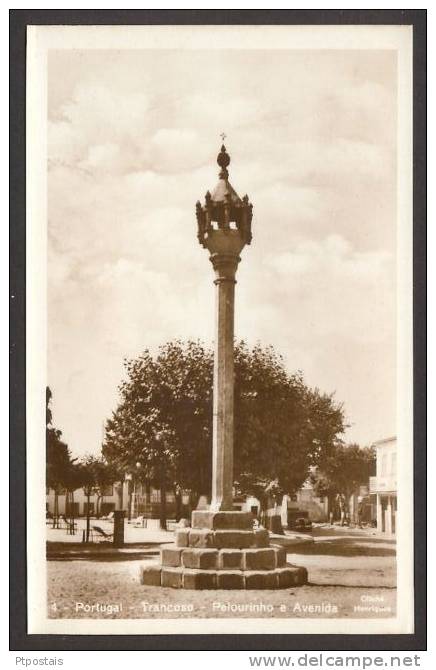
(343,547)
(100,551)
(347,543)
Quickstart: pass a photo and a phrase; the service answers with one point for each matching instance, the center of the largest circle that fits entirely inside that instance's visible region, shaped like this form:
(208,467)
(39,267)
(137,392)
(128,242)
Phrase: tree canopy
(94,474)
(58,458)
(164,419)
(344,470)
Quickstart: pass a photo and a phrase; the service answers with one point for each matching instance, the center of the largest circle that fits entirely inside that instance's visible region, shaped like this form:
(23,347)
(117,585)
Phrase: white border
(42,38)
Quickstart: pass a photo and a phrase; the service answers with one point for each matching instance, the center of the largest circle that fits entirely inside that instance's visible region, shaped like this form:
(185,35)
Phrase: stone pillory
(224,228)
(221,549)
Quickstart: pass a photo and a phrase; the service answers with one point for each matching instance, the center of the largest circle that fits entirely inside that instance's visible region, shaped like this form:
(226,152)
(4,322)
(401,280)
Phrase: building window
(107,490)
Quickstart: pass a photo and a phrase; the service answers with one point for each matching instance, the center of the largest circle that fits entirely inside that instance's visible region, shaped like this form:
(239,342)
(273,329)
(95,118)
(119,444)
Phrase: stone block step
(233,539)
(222,520)
(197,579)
(221,538)
(210,558)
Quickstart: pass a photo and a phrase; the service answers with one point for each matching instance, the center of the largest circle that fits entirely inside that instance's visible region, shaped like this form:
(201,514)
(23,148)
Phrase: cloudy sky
(132,142)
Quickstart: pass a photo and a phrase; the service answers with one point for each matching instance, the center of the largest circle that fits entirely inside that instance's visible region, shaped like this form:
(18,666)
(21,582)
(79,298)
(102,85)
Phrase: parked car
(303,525)
(298,519)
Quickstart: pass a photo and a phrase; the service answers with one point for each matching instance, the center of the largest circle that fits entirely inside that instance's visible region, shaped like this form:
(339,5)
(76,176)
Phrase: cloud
(347,292)
(132,144)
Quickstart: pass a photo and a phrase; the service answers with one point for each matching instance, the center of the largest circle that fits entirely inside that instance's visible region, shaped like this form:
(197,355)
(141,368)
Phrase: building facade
(76,504)
(137,498)
(383,487)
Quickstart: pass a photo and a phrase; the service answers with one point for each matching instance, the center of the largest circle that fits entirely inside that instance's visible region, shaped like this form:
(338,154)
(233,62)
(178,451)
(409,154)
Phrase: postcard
(219,329)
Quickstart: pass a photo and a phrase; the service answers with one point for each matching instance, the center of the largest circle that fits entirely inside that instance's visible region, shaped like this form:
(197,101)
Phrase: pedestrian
(341,501)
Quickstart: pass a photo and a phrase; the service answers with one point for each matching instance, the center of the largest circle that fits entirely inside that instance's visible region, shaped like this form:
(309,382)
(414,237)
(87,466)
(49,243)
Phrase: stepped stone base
(222,551)
(187,578)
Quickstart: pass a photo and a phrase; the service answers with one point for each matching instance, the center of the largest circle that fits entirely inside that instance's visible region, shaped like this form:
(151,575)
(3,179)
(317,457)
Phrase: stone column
(379,514)
(388,524)
(225,265)
(224,228)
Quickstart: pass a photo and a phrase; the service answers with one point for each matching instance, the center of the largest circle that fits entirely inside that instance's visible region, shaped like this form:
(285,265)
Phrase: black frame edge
(19,638)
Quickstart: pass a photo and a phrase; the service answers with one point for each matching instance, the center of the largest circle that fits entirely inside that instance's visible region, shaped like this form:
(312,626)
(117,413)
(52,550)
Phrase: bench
(102,533)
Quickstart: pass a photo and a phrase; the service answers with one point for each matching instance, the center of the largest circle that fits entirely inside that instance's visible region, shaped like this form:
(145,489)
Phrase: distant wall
(305,500)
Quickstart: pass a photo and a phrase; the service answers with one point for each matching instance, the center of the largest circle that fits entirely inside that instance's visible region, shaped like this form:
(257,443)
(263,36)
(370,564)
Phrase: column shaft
(222,463)
(379,514)
(389,517)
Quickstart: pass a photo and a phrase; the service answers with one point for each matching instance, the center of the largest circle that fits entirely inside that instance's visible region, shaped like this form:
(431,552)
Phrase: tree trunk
(194,497)
(99,503)
(330,508)
(263,511)
(147,492)
(273,521)
(163,502)
(67,510)
(276,524)
(129,510)
(72,513)
(88,516)
(178,500)
(55,509)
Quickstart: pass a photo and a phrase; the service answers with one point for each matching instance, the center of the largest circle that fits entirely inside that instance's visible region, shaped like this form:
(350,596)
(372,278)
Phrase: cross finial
(223,136)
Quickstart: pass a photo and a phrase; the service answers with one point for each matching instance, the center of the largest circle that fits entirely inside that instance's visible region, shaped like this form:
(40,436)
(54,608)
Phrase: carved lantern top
(224,210)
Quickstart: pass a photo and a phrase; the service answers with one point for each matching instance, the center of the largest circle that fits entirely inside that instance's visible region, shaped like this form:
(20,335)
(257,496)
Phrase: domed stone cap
(223,159)
(224,191)
(223,207)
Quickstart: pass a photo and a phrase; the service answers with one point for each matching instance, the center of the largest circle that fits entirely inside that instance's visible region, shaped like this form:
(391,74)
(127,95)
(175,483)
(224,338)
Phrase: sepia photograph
(219,329)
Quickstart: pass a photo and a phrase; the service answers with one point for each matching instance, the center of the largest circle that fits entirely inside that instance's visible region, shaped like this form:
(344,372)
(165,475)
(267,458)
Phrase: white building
(305,500)
(107,503)
(133,496)
(384,485)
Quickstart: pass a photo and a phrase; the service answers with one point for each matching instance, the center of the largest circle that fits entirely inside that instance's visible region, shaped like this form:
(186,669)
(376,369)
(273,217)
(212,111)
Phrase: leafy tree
(94,474)
(282,427)
(343,471)
(164,421)
(72,480)
(58,458)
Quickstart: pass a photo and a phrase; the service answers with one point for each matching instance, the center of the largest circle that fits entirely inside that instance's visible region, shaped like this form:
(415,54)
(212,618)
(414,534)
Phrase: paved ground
(348,569)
